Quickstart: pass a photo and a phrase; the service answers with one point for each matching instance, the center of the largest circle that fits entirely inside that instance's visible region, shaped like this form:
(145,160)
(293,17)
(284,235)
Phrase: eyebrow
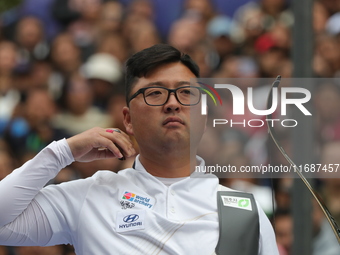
(162,84)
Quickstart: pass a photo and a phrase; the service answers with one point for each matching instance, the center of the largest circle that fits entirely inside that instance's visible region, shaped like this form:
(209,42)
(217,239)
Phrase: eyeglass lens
(159,96)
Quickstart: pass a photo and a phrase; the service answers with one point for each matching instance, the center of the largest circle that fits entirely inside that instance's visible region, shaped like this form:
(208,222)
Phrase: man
(154,207)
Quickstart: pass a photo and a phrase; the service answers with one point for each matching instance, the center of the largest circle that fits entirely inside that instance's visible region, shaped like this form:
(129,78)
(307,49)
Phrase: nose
(172,104)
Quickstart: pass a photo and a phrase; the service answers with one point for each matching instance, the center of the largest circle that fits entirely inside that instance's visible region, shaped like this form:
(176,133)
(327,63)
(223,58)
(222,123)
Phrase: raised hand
(100,143)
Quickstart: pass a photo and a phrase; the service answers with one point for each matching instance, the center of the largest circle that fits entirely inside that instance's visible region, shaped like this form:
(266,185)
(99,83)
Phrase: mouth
(173,120)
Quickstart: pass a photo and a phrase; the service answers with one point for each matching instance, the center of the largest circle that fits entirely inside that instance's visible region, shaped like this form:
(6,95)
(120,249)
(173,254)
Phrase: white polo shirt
(133,212)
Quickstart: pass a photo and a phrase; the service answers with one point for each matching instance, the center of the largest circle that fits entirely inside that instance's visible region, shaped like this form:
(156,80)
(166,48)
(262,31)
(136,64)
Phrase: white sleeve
(267,241)
(18,210)
(18,189)
(31,228)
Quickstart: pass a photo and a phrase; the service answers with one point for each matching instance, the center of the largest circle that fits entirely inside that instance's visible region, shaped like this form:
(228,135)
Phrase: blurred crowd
(62,72)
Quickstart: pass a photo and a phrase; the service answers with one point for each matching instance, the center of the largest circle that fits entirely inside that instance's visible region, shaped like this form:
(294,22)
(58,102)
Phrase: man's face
(167,127)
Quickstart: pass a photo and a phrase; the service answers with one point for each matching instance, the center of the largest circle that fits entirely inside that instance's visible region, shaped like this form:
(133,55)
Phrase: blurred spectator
(249,22)
(238,67)
(254,19)
(327,48)
(39,75)
(321,67)
(142,9)
(34,67)
(8,51)
(269,60)
(219,29)
(324,242)
(104,72)
(30,37)
(284,68)
(77,111)
(283,189)
(330,154)
(320,17)
(84,30)
(116,45)
(281,36)
(139,17)
(283,226)
(9,95)
(327,105)
(65,54)
(31,130)
(187,32)
(206,58)
(204,8)
(274,8)
(110,18)
(143,35)
(65,59)
(42,10)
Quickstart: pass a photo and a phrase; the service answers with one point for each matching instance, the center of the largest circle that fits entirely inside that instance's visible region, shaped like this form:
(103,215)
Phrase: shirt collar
(137,165)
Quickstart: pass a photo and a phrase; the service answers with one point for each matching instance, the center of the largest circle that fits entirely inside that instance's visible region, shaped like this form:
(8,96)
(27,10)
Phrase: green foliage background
(8,4)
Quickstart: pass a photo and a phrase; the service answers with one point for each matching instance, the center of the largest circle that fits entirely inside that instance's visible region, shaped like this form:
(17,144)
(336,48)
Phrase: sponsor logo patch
(129,200)
(237,202)
(130,220)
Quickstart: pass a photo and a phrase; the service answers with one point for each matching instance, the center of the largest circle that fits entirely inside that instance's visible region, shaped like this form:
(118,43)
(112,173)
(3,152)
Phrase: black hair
(142,62)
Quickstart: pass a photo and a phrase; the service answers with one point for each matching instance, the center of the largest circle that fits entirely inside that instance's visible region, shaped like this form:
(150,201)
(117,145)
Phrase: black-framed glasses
(157,96)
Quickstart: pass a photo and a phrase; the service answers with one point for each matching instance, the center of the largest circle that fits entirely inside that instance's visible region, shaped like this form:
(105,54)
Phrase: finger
(120,155)
(121,140)
(117,130)
(104,153)
(121,150)
(108,144)
(119,134)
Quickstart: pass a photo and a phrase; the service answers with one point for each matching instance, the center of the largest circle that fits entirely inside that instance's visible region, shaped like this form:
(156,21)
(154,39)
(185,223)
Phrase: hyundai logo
(130,218)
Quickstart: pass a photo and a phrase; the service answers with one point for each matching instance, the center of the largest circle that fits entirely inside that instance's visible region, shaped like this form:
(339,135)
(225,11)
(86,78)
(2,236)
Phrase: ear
(127,120)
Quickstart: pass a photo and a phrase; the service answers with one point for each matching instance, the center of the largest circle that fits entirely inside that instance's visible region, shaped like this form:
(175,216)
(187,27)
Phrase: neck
(169,166)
